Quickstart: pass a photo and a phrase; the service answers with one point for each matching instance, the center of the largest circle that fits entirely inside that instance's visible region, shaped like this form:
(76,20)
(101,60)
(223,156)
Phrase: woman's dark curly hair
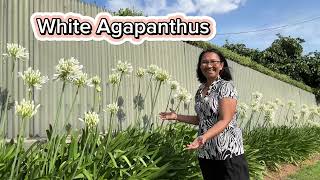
(224,73)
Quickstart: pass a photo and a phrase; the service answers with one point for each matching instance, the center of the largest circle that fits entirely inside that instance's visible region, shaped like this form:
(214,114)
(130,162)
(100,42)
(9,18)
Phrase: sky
(296,17)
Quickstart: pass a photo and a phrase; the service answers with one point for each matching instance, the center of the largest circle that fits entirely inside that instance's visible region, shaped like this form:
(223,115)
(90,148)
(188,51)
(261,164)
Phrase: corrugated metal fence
(98,58)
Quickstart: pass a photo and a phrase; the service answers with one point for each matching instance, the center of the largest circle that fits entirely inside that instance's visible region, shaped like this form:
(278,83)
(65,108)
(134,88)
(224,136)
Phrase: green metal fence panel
(98,58)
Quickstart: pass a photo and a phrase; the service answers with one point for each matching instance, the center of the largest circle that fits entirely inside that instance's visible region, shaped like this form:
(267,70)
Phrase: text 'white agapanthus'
(123,67)
(26,109)
(67,68)
(112,108)
(16,52)
(91,119)
(33,78)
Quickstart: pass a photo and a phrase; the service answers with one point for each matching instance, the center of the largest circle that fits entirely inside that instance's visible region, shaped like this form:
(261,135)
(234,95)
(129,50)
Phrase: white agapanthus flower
(112,108)
(174,85)
(313,113)
(291,104)
(279,102)
(66,69)
(152,69)
(255,106)
(271,105)
(123,67)
(257,96)
(140,72)
(295,116)
(33,78)
(114,79)
(16,52)
(161,75)
(95,81)
(26,109)
(81,79)
(269,114)
(91,119)
(183,95)
(242,110)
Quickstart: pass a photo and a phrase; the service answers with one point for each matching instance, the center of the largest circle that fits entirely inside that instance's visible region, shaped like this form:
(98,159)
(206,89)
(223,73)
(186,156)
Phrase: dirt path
(290,169)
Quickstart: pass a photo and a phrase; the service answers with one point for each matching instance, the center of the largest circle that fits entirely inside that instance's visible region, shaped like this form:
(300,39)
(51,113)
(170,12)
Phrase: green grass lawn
(307,173)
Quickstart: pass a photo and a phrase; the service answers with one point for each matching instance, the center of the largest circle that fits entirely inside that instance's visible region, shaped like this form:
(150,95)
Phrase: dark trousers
(235,168)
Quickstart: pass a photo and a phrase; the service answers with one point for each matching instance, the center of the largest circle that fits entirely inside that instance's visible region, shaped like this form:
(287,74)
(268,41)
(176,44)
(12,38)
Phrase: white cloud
(164,7)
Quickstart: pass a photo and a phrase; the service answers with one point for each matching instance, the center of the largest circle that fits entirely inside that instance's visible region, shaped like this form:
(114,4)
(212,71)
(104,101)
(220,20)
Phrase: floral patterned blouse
(229,142)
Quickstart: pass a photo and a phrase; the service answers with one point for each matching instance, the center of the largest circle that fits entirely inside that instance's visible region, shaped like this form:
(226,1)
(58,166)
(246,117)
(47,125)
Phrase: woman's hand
(197,143)
(168,116)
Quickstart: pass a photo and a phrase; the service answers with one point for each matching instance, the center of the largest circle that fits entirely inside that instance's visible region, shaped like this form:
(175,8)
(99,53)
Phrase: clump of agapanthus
(16,52)
(114,79)
(174,85)
(151,70)
(269,114)
(112,108)
(95,81)
(161,75)
(33,78)
(91,119)
(242,110)
(81,79)
(140,72)
(255,101)
(26,109)
(66,69)
(123,67)
(291,104)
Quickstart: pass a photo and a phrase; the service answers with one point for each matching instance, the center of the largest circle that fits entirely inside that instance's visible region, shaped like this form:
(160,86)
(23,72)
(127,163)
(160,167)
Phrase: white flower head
(112,108)
(152,69)
(16,52)
(291,104)
(183,95)
(271,105)
(242,109)
(140,72)
(257,96)
(123,67)
(66,69)
(95,80)
(161,75)
(114,79)
(295,116)
(91,119)
(174,85)
(26,109)
(33,78)
(81,79)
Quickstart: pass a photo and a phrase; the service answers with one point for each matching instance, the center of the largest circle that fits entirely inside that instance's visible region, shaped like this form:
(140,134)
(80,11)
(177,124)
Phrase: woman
(219,141)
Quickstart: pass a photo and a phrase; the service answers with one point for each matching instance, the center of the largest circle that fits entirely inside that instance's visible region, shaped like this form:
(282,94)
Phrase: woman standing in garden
(219,142)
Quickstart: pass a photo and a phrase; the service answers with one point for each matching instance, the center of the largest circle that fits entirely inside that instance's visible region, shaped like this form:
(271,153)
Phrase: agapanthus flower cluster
(95,81)
(123,68)
(161,75)
(151,70)
(67,69)
(174,85)
(81,79)
(255,101)
(33,78)
(16,52)
(26,109)
(291,104)
(183,95)
(91,119)
(242,110)
(114,79)
(112,108)
(140,72)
